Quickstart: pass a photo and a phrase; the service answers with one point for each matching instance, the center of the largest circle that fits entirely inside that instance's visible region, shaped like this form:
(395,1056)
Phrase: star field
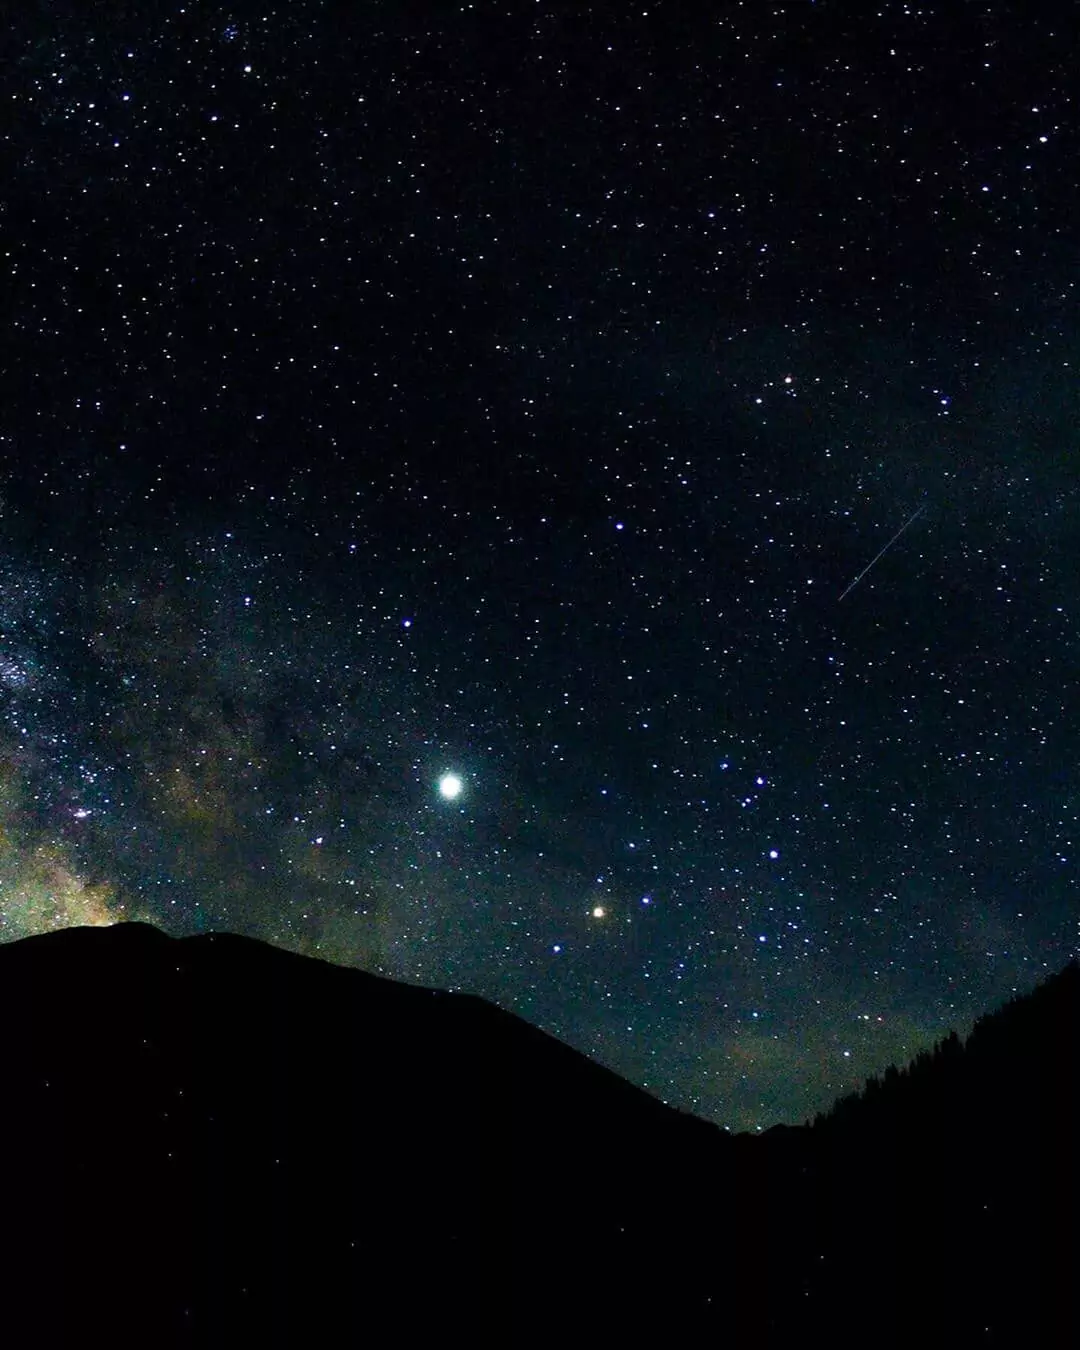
(568,503)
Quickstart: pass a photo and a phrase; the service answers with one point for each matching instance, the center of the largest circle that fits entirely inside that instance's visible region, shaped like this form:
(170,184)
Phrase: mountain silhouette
(209,1141)
(213,1141)
(945,1196)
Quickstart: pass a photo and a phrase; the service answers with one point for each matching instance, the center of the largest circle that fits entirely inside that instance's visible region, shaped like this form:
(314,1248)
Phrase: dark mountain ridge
(210,1141)
(225,1143)
(943,1197)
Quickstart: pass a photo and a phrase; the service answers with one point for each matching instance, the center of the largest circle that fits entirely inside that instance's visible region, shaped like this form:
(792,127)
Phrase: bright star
(450,786)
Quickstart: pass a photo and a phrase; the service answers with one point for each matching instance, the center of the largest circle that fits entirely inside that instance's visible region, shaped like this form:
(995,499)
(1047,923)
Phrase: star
(450,786)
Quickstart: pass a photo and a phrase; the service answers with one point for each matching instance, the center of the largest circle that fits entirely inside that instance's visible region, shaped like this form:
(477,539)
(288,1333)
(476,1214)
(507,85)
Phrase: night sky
(515,392)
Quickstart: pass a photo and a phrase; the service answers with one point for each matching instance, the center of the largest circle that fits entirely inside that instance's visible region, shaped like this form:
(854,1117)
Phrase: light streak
(881,552)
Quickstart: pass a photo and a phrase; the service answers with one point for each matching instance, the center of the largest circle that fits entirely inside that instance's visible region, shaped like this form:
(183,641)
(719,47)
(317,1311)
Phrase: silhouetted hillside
(1028,1041)
(227,1143)
(213,1142)
(953,1185)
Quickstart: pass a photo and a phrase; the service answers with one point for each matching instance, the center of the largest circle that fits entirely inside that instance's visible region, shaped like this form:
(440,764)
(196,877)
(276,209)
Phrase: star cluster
(570,503)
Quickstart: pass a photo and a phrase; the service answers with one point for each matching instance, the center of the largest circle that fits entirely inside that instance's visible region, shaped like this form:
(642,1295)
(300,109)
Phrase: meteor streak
(881,552)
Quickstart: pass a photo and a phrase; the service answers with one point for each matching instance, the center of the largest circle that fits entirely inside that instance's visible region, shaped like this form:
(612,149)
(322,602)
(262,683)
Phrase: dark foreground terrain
(213,1142)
